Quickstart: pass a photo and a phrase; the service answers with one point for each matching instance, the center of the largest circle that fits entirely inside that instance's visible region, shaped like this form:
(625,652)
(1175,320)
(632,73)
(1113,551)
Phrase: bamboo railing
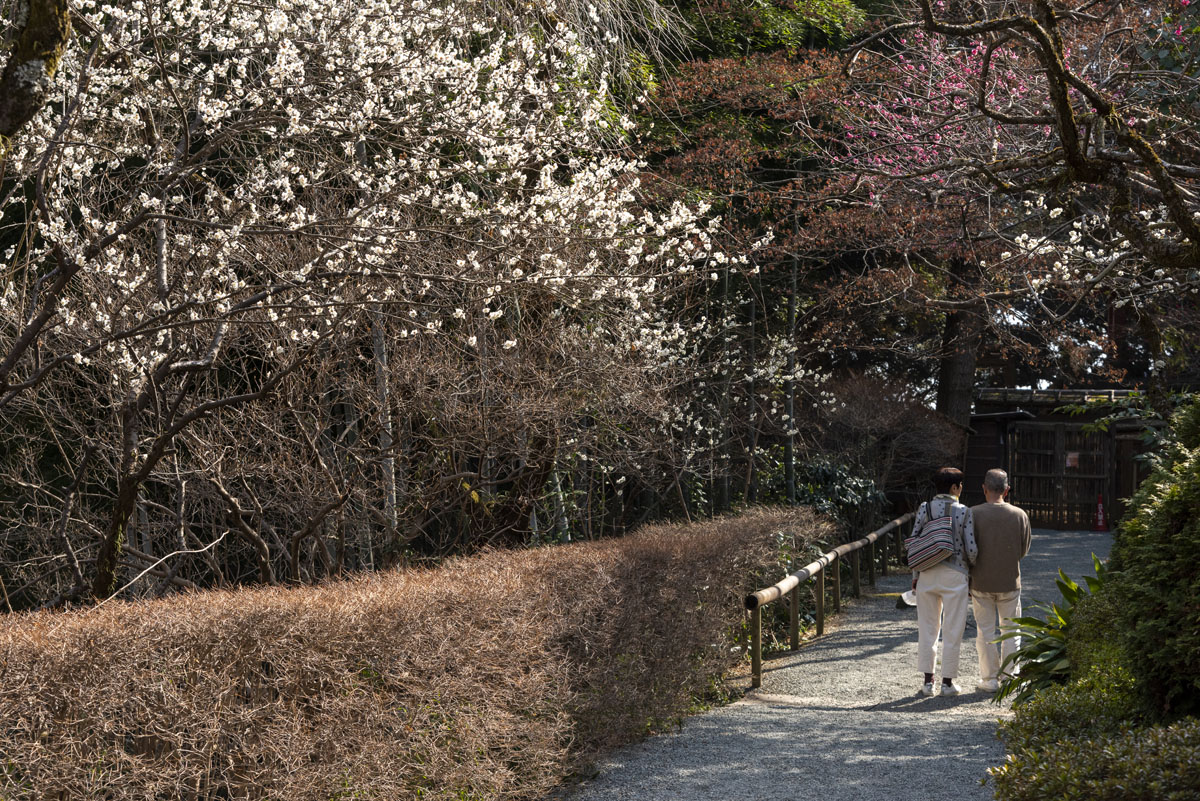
(791,585)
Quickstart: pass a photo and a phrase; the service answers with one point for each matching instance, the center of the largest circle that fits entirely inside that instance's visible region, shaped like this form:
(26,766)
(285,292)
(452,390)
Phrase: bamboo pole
(785,585)
(856,574)
(836,567)
(820,603)
(756,647)
(871,564)
(795,628)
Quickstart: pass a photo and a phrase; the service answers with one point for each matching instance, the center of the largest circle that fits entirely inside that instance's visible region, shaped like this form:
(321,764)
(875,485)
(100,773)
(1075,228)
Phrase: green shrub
(1185,426)
(839,491)
(1157,764)
(1157,552)
(1085,739)
(1094,637)
(1043,660)
(1102,702)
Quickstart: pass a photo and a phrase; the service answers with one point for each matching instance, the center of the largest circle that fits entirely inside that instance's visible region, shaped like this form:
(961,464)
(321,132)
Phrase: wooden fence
(889,533)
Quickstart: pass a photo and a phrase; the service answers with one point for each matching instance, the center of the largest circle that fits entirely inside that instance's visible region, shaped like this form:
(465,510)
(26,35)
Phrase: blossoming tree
(1072,125)
(215,197)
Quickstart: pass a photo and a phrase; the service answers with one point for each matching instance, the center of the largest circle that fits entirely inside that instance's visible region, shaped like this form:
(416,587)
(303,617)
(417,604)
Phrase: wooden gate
(1058,471)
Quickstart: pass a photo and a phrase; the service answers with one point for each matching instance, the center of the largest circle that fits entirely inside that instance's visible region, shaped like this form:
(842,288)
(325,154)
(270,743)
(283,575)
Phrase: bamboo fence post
(871,563)
(836,567)
(820,602)
(795,628)
(856,573)
(756,647)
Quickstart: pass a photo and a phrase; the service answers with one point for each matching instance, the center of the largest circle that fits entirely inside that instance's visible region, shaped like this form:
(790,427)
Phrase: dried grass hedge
(484,679)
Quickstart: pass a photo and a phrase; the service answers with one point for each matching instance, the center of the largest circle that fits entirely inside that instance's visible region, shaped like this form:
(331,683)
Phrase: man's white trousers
(994,609)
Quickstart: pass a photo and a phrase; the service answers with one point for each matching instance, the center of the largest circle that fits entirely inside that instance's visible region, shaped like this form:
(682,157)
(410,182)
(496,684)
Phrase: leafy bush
(1094,637)
(1100,698)
(764,26)
(1157,764)
(485,679)
(1084,739)
(1043,660)
(1157,552)
(836,490)
(1102,702)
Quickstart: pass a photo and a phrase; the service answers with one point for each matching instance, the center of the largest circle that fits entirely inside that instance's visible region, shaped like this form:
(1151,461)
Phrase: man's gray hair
(996,480)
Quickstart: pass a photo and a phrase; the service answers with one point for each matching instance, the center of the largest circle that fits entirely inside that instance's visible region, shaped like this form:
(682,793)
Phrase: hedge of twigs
(485,679)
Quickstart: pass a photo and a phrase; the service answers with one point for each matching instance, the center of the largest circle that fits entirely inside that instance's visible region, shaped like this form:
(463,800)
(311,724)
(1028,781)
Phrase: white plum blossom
(305,156)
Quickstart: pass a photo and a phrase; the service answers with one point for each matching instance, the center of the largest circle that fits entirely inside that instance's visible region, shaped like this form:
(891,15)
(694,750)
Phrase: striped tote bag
(934,542)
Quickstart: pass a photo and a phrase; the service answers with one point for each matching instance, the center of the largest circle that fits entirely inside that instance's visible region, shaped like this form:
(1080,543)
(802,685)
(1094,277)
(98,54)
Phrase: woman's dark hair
(946,478)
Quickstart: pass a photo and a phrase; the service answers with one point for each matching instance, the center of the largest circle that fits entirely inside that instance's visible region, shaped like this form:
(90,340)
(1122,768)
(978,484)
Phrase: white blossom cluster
(715,378)
(1070,252)
(277,165)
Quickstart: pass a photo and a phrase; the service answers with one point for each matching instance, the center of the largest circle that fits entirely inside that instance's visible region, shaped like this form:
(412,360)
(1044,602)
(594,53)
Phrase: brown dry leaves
(486,678)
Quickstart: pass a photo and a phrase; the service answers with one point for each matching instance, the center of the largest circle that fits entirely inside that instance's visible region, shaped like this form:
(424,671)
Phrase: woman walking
(942,587)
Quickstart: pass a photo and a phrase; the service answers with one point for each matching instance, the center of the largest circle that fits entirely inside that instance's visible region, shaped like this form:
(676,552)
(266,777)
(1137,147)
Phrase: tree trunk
(105,582)
(386,438)
(560,509)
(1157,393)
(956,376)
(750,486)
(723,458)
(789,408)
(31,66)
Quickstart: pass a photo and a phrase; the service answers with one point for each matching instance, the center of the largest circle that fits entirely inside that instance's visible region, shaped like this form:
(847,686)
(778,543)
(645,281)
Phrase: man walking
(1003,537)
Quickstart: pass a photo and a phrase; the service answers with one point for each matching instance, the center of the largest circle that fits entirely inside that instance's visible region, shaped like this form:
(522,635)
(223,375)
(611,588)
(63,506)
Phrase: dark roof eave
(1013,415)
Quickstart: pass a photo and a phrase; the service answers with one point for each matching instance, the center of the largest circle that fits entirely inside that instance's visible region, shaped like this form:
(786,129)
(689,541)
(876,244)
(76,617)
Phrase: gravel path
(840,719)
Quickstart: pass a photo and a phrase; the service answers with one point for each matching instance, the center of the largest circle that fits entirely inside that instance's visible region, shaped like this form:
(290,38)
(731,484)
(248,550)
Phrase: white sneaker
(951,689)
(988,686)
(927,688)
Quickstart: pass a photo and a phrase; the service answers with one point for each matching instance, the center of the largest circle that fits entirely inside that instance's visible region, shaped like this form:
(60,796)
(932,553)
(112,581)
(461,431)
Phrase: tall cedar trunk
(956,375)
